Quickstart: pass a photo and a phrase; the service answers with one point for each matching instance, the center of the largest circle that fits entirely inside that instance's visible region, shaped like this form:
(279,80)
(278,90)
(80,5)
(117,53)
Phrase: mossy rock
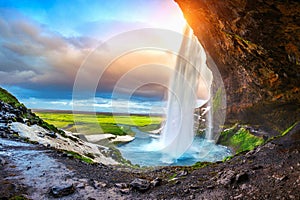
(199,165)
(239,139)
(18,198)
(80,157)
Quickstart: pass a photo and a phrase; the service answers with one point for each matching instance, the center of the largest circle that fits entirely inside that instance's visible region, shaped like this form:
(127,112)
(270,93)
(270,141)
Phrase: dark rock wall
(255,44)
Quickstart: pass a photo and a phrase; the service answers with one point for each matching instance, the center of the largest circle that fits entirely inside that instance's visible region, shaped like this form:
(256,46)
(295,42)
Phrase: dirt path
(30,170)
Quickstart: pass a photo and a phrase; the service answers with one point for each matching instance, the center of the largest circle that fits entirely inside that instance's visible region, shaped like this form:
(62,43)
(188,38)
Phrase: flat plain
(91,123)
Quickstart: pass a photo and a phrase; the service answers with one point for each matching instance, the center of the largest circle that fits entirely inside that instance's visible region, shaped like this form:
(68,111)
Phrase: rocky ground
(271,171)
(39,171)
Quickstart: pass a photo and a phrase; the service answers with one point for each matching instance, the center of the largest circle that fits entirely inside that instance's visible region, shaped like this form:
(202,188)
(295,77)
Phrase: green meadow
(88,123)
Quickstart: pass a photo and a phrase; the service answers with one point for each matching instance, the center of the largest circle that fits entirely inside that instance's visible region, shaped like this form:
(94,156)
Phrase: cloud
(33,56)
(18,77)
(39,56)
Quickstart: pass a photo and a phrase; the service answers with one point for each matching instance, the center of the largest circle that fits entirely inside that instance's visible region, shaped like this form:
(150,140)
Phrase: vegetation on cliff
(26,115)
(239,139)
(9,98)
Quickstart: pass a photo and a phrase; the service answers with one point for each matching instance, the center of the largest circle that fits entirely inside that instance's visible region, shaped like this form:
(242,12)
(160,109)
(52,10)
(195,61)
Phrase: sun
(178,22)
(170,17)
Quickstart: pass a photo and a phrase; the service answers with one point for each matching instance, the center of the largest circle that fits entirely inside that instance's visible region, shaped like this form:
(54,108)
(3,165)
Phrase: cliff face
(255,44)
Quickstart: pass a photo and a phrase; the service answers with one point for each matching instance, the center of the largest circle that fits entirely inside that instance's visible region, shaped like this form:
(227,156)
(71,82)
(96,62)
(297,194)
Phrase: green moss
(172,176)
(217,101)
(243,140)
(239,139)
(18,198)
(27,140)
(289,129)
(80,157)
(283,133)
(227,134)
(51,127)
(227,158)
(9,98)
(15,135)
(48,126)
(90,155)
(199,165)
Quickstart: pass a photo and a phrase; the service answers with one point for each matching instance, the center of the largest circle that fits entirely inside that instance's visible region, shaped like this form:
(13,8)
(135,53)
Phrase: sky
(49,47)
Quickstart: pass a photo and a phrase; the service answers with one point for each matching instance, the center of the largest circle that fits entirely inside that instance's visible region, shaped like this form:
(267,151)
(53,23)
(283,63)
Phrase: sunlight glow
(172,19)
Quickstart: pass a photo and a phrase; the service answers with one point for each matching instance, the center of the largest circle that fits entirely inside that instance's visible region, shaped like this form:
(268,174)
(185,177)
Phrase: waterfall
(190,72)
(209,124)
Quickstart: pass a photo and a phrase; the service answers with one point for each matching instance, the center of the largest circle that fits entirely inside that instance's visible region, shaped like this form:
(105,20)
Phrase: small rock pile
(10,114)
(138,184)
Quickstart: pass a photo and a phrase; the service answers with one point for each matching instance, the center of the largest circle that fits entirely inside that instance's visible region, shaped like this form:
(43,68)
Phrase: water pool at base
(138,152)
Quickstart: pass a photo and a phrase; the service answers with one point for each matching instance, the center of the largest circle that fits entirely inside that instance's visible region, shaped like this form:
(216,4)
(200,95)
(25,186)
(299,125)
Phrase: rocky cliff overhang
(256,46)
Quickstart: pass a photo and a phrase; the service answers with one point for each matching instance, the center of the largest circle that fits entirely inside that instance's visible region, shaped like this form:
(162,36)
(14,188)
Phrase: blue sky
(44,43)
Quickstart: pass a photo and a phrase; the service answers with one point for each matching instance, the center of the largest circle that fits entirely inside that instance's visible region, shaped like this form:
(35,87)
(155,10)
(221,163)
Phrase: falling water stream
(178,133)
(177,143)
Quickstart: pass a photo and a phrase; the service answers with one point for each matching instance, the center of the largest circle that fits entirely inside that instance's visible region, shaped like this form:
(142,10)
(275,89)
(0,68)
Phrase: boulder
(61,191)
(139,184)
(226,178)
(51,134)
(156,182)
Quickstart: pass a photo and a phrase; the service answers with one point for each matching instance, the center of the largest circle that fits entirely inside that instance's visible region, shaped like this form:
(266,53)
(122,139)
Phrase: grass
(239,139)
(243,140)
(199,165)
(9,98)
(100,123)
(289,129)
(172,176)
(227,158)
(284,132)
(80,157)
(18,198)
